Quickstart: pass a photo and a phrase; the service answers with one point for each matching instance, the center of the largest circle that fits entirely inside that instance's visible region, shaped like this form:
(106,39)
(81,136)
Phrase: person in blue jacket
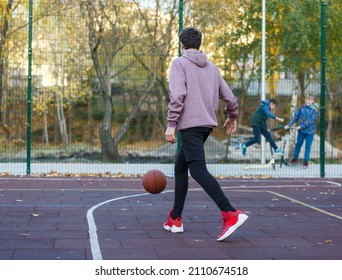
(259,126)
(306,119)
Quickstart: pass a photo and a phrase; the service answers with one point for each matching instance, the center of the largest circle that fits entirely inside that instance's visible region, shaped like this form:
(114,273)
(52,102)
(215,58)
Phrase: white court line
(94,241)
(334,183)
(294,200)
(137,179)
(307,205)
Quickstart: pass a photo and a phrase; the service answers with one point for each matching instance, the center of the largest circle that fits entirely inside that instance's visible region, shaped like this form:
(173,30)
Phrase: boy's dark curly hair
(191,38)
(274,101)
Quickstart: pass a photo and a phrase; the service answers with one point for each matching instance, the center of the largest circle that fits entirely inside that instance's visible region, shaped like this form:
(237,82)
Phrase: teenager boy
(196,86)
(259,126)
(306,118)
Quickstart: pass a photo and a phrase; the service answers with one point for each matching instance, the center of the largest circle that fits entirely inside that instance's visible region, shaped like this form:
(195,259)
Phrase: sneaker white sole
(174,229)
(242,219)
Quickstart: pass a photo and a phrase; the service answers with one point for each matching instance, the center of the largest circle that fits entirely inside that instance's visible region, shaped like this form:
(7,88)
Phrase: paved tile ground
(48,219)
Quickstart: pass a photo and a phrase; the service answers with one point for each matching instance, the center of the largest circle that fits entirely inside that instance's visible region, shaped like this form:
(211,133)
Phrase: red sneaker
(173,225)
(293,162)
(231,222)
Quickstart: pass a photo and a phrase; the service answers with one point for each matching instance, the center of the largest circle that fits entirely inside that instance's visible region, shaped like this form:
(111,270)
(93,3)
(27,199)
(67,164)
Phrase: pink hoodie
(196,86)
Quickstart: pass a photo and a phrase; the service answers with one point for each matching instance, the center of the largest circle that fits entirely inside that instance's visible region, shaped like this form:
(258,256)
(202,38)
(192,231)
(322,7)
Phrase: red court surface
(115,219)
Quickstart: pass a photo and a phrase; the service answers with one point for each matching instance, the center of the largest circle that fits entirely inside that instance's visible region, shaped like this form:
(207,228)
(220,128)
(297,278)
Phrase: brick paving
(290,219)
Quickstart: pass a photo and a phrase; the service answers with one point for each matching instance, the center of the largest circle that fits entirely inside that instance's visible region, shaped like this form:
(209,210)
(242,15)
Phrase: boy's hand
(279,119)
(170,135)
(230,127)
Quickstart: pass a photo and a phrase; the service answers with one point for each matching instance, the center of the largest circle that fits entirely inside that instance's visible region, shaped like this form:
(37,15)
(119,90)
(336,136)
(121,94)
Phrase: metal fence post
(323,88)
(180,23)
(29,92)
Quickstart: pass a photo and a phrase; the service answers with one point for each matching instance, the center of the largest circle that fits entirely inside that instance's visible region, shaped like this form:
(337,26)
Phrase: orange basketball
(154,181)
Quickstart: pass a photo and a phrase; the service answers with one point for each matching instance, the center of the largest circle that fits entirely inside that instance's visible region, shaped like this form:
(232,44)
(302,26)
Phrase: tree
(300,47)
(6,10)
(300,40)
(13,36)
(241,46)
(62,60)
(108,33)
(333,68)
(153,49)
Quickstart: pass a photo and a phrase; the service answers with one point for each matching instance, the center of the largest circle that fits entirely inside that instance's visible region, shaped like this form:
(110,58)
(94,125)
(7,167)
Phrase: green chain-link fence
(91,95)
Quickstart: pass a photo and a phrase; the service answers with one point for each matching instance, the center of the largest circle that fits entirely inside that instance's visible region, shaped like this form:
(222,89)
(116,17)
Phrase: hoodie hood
(265,102)
(315,106)
(197,57)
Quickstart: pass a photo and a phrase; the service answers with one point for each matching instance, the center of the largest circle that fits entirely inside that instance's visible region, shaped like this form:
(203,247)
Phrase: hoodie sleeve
(177,86)
(295,117)
(266,109)
(229,98)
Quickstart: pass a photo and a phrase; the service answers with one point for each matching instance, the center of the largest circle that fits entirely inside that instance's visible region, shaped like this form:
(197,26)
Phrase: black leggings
(191,158)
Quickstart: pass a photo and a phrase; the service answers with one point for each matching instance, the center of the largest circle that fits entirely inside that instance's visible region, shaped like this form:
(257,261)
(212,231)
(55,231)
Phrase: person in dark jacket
(306,118)
(259,126)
